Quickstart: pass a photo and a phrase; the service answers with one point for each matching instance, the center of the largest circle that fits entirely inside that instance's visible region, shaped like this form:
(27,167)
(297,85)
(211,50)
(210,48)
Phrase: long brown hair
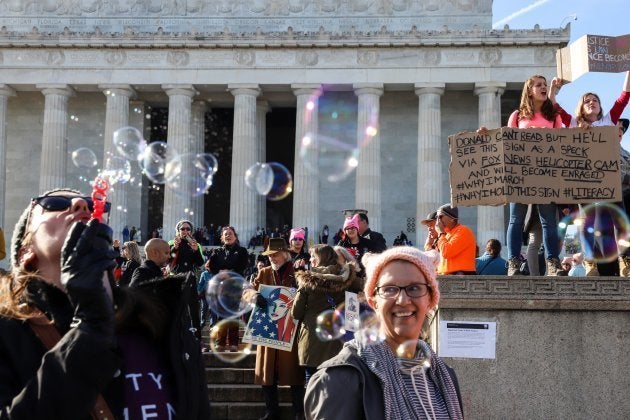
(526,109)
(579,111)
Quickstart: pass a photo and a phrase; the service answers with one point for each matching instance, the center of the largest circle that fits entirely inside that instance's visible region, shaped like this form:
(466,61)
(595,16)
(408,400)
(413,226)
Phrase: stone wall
(561,351)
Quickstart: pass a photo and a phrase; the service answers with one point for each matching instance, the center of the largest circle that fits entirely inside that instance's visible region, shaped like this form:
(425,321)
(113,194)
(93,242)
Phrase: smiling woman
(401,376)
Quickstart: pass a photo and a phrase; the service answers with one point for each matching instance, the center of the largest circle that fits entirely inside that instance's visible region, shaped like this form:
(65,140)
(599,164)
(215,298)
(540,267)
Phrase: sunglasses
(60,202)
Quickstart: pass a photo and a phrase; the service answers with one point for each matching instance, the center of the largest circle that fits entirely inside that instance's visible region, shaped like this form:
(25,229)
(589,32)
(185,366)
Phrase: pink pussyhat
(351,222)
(296,233)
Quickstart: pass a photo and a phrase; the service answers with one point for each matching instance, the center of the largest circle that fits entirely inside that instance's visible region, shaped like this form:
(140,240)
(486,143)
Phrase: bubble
(330,325)
(191,174)
(156,161)
(411,349)
(117,170)
(329,158)
(129,142)
(369,331)
(206,163)
(224,294)
(225,342)
(258,177)
(271,179)
(84,158)
(604,231)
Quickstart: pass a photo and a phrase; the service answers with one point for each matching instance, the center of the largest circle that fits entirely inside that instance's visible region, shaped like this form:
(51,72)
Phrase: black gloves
(261,302)
(86,254)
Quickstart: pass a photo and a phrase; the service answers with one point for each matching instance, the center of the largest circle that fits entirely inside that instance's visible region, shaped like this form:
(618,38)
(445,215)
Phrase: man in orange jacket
(456,243)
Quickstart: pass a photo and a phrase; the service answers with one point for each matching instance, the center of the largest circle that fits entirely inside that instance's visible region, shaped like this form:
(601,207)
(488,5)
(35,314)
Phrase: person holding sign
(535,111)
(588,114)
(276,367)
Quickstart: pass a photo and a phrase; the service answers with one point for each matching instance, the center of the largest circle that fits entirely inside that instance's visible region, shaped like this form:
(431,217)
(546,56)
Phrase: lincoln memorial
(247,80)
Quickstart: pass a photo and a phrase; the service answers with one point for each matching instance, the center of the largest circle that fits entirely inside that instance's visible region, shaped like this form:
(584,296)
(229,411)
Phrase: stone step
(212,361)
(246,411)
(243,393)
(229,375)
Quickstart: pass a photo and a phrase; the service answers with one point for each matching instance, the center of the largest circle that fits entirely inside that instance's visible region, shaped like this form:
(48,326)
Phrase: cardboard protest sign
(535,166)
(594,53)
(274,326)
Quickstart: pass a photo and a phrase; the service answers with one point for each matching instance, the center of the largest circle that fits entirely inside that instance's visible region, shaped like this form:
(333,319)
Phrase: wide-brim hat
(276,245)
(430,218)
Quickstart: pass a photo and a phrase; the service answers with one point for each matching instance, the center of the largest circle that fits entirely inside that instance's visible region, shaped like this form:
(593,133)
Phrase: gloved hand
(86,256)
(261,302)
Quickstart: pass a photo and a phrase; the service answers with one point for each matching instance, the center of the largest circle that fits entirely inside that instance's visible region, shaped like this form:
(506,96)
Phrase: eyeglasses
(414,290)
(185,228)
(60,202)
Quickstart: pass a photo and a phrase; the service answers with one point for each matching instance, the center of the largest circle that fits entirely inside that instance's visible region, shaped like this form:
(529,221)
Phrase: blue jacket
(489,266)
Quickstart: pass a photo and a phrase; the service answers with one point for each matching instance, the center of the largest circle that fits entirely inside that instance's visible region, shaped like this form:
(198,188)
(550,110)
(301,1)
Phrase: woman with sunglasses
(71,345)
(399,377)
(186,252)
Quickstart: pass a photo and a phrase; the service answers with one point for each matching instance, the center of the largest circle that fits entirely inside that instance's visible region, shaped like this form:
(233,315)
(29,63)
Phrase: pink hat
(351,222)
(425,261)
(296,233)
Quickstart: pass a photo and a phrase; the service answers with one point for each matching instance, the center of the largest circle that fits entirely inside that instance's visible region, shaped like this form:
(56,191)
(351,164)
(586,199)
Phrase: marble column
(431,169)
(198,132)
(52,173)
(368,180)
(262,108)
(5,92)
(305,183)
(137,196)
(178,200)
(490,220)
(116,116)
(243,200)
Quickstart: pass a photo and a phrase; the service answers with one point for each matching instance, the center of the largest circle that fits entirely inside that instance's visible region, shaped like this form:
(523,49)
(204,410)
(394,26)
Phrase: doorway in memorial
(219,123)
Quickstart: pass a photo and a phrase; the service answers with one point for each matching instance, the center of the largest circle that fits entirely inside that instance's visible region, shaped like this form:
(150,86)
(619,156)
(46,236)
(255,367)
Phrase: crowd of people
(74,296)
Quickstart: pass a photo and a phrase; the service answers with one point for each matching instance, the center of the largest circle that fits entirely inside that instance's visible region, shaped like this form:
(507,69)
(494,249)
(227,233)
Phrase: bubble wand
(99,197)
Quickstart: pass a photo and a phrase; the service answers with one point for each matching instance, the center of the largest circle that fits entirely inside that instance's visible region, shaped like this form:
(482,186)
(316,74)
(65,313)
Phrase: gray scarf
(387,367)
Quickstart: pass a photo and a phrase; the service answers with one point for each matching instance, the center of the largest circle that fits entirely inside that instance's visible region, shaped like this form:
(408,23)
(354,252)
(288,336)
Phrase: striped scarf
(398,398)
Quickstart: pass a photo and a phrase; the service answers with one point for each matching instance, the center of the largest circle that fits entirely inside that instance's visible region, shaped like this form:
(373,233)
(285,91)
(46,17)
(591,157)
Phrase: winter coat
(345,388)
(320,289)
(147,271)
(234,258)
(270,360)
(185,258)
(63,383)
(128,267)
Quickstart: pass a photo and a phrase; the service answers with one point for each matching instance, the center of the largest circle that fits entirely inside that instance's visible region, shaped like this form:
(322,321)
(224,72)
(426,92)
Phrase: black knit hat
(451,212)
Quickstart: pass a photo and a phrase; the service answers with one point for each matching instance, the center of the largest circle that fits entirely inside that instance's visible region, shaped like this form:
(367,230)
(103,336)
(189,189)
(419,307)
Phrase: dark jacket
(185,258)
(234,258)
(345,388)
(63,383)
(378,241)
(147,271)
(128,268)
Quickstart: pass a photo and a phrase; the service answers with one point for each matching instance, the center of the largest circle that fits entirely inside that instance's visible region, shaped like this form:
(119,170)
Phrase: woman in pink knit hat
(399,377)
(354,243)
(298,249)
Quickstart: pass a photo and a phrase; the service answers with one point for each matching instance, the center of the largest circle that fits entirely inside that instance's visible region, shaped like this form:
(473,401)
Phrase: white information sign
(476,340)
(352,311)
